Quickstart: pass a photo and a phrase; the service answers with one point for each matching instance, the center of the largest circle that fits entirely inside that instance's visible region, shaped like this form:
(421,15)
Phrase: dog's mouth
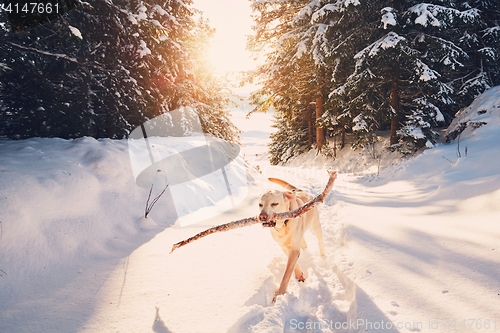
(272,224)
(269,224)
(266,222)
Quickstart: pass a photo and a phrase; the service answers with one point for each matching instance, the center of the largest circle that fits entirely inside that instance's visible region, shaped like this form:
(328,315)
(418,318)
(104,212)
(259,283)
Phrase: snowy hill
(412,250)
(421,241)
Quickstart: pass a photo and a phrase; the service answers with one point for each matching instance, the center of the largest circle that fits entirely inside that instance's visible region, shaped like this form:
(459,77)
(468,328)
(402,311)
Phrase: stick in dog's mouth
(270,224)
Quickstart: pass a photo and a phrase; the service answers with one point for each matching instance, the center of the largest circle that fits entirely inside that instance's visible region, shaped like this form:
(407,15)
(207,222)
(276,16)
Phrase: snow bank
(73,232)
(420,242)
(66,207)
(484,110)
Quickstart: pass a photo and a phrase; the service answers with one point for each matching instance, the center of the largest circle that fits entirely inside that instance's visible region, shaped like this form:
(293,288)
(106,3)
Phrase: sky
(232,21)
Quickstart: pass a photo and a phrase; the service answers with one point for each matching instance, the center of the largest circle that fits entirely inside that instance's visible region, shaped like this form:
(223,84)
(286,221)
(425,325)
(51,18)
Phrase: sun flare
(226,57)
(232,21)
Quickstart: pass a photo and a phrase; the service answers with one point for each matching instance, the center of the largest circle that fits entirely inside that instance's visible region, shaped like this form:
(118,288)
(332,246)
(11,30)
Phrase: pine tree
(288,140)
(103,69)
(298,67)
(481,41)
(344,39)
(401,78)
(284,84)
(403,66)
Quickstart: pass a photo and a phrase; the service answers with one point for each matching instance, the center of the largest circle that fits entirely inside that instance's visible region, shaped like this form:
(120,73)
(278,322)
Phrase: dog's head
(274,202)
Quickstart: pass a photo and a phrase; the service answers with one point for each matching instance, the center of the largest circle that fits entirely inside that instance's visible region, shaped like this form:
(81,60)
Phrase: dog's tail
(284,184)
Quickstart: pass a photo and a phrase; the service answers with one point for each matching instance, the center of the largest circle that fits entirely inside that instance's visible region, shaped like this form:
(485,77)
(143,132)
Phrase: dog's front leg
(293,257)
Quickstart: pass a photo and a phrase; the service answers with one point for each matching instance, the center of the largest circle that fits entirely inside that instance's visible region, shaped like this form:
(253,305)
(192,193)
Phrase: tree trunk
(309,122)
(395,100)
(320,136)
(342,144)
(395,104)
(334,141)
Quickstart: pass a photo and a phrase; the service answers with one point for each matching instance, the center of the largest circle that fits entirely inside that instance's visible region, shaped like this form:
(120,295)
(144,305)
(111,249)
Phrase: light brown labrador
(289,234)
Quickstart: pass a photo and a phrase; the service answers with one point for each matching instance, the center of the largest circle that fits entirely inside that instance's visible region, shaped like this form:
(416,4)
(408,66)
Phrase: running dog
(289,234)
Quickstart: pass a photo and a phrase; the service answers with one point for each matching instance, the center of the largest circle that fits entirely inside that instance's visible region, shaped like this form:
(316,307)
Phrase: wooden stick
(270,222)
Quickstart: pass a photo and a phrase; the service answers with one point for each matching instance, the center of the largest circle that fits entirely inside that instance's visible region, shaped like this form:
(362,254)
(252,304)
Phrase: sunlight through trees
(357,67)
(103,68)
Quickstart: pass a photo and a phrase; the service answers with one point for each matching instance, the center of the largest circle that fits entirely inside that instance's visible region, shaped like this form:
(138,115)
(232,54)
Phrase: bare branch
(149,206)
(146,211)
(271,219)
(51,54)
(56,55)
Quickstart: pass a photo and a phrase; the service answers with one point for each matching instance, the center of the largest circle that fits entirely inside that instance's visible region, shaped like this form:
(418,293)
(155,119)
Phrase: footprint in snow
(393,303)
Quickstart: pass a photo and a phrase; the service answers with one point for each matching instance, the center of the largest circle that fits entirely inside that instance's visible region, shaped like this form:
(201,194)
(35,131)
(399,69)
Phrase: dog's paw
(300,277)
(278,292)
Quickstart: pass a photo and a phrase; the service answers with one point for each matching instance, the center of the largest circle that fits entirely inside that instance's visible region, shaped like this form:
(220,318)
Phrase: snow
(132,19)
(488,52)
(301,49)
(493,31)
(485,109)
(142,13)
(388,17)
(57,55)
(4,66)
(415,131)
(425,73)
(338,6)
(320,41)
(439,16)
(205,175)
(75,32)
(414,249)
(143,49)
(360,124)
(390,40)
(439,115)
(159,10)
(426,14)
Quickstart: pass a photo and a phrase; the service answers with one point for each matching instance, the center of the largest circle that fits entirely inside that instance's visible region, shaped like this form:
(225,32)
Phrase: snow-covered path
(224,282)
(412,250)
(195,289)
(77,256)
(425,263)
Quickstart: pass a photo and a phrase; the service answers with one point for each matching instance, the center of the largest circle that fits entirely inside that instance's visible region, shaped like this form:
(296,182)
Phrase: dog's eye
(274,204)
(261,205)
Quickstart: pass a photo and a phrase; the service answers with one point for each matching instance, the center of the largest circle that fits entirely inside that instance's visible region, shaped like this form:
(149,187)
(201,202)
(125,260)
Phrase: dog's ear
(290,195)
